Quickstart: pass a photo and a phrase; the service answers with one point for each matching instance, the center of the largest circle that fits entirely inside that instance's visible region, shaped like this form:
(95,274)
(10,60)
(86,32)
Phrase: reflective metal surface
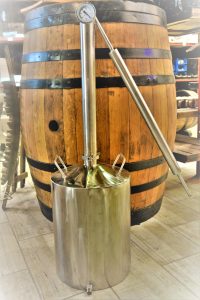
(91,212)
(91,203)
(102,176)
(88,71)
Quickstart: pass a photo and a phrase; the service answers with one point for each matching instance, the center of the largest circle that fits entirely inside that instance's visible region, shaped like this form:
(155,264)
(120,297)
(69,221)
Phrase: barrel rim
(114,5)
(105,17)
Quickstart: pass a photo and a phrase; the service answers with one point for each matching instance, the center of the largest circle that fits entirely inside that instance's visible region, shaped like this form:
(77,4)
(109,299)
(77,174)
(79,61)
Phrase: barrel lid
(103,5)
(101,176)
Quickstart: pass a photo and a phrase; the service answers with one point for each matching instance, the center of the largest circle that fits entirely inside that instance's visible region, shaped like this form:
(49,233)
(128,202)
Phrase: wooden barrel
(187,110)
(51,109)
(186,118)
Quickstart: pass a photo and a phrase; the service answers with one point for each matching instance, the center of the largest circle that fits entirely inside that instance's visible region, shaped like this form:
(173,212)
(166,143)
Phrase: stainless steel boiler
(91,213)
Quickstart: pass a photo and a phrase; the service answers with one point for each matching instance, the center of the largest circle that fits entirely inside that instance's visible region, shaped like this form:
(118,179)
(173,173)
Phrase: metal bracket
(59,168)
(91,158)
(122,165)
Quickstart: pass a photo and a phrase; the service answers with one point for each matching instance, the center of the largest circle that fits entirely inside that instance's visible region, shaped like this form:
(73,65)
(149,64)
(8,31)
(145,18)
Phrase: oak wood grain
(120,126)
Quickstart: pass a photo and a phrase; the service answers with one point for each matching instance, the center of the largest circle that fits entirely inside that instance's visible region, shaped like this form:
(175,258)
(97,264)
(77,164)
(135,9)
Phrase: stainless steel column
(89,93)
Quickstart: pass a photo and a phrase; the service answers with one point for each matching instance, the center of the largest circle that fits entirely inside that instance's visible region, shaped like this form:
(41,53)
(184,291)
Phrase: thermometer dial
(86,13)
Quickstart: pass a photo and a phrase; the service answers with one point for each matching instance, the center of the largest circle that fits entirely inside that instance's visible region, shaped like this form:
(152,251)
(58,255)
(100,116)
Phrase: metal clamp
(122,165)
(59,168)
(90,158)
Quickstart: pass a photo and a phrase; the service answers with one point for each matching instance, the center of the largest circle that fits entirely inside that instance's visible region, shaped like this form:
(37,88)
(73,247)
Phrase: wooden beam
(187,25)
(187,139)
(186,152)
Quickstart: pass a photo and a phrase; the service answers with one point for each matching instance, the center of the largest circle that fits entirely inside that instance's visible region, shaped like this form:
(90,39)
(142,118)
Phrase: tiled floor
(165,251)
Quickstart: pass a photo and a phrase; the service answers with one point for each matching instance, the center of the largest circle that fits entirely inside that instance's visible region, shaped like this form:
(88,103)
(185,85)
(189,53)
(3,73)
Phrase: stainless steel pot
(91,213)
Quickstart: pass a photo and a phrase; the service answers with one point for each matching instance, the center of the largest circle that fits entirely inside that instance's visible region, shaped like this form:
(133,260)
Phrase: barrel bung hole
(53,125)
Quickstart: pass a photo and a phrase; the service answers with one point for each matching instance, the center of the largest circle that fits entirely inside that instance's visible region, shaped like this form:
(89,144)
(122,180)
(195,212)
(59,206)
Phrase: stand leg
(14,184)
(6,196)
(198,169)
(22,164)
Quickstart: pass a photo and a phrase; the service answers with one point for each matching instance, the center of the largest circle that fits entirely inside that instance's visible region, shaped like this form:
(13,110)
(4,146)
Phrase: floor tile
(191,231)
(187,271)
(150,281)
(162,243)
(134,288)
(25,216)
(192,203)
(174,213)
(107,294)
(18,286)
(39,256)
(11,259)
(176,192)
(3,217)
(194,184)
(174,189)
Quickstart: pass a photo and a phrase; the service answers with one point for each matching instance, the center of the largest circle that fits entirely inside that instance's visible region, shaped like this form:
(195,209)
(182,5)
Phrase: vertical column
(89,92)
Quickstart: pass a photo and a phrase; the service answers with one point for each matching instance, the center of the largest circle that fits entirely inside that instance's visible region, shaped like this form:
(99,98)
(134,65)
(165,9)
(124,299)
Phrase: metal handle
(58,167)
(122,165)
